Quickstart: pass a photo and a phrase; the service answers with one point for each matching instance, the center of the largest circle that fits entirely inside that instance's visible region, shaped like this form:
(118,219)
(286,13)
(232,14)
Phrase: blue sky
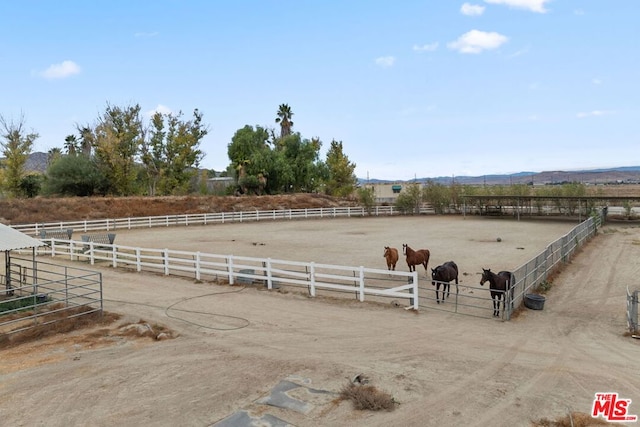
(412,88)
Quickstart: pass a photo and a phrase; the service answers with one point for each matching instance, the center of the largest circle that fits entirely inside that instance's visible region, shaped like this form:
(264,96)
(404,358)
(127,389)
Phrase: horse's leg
(496,302)
(448,289)
(437,293)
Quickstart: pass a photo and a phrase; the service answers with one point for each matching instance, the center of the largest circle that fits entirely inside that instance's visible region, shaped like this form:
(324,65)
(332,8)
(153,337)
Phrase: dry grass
(574,419)
(62,323)
(42,209)
(367,397)
(98,325)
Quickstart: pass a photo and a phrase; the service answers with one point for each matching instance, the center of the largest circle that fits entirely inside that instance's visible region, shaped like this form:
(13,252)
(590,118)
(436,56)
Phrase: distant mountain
(37,162)
(626,174)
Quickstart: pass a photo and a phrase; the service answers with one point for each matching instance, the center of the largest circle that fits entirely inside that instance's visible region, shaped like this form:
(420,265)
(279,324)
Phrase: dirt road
(237,344)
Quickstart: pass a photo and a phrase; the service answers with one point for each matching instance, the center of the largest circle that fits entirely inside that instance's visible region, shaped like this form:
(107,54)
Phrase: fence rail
(86,226)
(317,278)
(48,293)
(270,272)
(534,272)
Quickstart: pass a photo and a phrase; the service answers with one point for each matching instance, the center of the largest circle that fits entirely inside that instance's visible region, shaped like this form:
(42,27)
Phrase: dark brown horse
(391,254)
(443,275)
(499,285)
(414,258)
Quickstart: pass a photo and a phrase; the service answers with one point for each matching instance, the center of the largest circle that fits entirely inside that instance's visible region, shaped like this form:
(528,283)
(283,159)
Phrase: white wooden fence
(208,218)
(272,273)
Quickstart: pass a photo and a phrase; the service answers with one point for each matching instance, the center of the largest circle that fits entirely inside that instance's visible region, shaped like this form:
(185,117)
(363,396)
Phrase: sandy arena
(238,346)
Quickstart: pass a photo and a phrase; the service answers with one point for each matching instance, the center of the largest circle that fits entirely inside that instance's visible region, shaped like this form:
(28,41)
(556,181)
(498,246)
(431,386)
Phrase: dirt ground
(236,344)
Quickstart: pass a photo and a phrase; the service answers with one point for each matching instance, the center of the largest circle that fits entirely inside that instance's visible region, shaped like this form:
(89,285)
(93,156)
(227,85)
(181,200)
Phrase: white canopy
(11,239)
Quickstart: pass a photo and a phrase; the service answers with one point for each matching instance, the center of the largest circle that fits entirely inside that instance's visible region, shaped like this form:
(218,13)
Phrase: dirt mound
(40,209)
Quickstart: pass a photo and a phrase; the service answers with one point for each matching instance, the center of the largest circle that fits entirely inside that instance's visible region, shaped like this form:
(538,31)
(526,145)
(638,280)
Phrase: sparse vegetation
(366,197)
(545,286)
(574,419)
(62,324)
(27,211)
(367,397)
(101,325)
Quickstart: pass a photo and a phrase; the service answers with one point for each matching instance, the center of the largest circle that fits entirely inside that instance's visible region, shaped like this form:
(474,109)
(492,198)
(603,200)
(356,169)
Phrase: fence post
(230,269)
(138,261)
(114,256)
(91,255)
(198,265)
(267,270)
(312,279)
(361,284)
(414,291)
(165,255)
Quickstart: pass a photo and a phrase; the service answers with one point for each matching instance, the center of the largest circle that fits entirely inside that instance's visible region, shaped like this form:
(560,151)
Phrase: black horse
(442,275)
(499,285)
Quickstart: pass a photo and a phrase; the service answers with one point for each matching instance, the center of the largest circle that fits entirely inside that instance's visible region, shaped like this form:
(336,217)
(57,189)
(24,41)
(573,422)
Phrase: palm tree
(71,144)
(87,139)
(53,154)
(284,118)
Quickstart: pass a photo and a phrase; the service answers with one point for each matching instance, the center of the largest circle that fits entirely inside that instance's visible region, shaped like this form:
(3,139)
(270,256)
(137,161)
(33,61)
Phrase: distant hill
(37,162)
(626,174)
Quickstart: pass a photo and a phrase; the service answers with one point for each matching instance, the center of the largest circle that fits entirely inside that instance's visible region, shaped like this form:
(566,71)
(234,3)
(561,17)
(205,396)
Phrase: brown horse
(391,254)
(414,258)
(499,284)
(442,275)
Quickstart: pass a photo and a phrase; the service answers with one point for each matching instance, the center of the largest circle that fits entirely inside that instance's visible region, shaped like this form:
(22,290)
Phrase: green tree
(72,145)
(342,180)
(410,199)
(74,176)
(367,198)
(437,195)
(302,158)
(252,160)
(31,184)
(284,119)
(118,136)
(87,140)
(53,154)
(16,146)
(171,153)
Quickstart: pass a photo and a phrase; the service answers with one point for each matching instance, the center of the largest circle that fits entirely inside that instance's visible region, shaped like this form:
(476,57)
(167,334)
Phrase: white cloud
(532,5)
(476,41)
(596,81)
(430,47)
(385,61)
(162,109)
(61,70)
(471,9)
(578,12)
(594,113)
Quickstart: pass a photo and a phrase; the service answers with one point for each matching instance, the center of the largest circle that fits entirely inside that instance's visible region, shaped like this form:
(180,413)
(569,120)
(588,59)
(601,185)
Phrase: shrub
(367,397)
